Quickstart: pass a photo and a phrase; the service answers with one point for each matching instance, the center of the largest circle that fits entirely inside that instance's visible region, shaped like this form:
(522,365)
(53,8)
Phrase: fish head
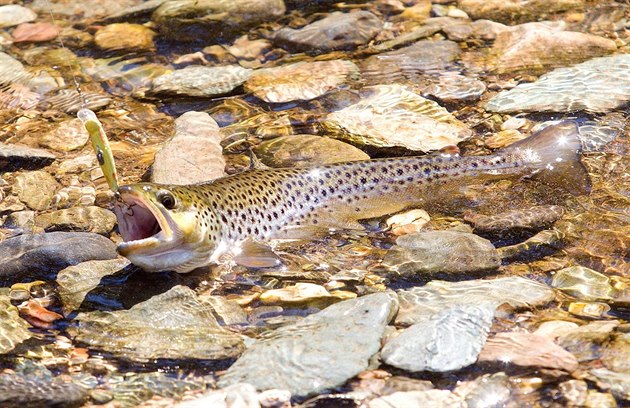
(161,228)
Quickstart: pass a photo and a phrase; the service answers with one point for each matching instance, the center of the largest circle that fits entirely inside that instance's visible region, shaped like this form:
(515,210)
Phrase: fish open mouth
(141,224)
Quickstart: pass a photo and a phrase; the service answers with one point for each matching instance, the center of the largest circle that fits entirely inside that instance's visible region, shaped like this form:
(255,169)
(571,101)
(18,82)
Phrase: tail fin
(554,156)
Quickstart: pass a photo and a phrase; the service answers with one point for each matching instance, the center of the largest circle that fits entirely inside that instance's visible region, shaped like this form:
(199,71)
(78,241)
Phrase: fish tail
(553,155)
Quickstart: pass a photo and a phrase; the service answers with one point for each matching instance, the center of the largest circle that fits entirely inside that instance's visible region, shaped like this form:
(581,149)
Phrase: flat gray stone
(19,390)
(597,85)
(201,81)
(234,396)
(421,303)
(173,325)
(35,189)
(338,31)
(13,329)
(451,339)
(193,155)
(441,251)
(16,157)
(89,219)
(320,352)
(74,282)
(40,256)
(429,398)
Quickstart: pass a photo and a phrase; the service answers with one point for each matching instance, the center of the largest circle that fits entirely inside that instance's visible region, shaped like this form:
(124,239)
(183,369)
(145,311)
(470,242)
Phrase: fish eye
(166,199)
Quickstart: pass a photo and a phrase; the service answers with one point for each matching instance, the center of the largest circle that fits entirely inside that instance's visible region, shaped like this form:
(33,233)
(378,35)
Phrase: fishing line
(70,64)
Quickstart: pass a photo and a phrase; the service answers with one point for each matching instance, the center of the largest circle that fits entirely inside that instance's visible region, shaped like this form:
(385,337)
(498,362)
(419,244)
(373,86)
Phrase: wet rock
(13,14)
(391,115)
(300,81)
(67,136)
(598,85)
(303,293)
(74,282)
(173,325)
(193,155)
(124,36)
(209,19)
(617,383)
(441,251)
(33,390)
(555,328)
(40,255)
(429,398)
(86,9)
(35,189)
(20,220)
(527,349)
(489,390)
(585,342)
(517,11)
(574,392)
(453,87)
(319,352)
(531,219)
(16,157)
(418,12)
(246,49)
(338,31)
(583,283)
(616,354)
(410,63)
(201,81)
(13,72)
(408,222)
(134,388)
(420,303)
(540,46)
(305,151)
(13,329)
(448,340)
(228,311)
(595,399)
(234,396)
(89,219)
(547,241)
(70,101)
(35,32)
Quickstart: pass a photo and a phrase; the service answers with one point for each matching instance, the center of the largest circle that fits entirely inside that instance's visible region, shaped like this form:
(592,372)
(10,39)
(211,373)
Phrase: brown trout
(180,228)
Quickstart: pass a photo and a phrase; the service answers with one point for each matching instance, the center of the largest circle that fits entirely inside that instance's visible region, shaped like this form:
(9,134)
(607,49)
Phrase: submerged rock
(193,155)
(13,14)
(209,19)
(546,241)
(583,283)
(89,219)
(338,31)
(449,340)
(299,81)
(454,87)
(132,389)
(124,36)
(428,398)
(303,293)
(391,115)
(530,219)
(319,352)
(35,189)
(67,136)
(40,255)
(411,62)
(527,349)
(617,383)
(235,396)
(598,85)
(16,157)
(13,329)
(441,251)
(35,32)
(538,46)
(306,150)
(517,11)
(420,303)
(173,325)
(201,81)
(74,282)
(33,390)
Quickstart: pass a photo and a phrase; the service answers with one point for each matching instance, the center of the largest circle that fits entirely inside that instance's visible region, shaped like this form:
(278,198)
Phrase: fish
(181,228)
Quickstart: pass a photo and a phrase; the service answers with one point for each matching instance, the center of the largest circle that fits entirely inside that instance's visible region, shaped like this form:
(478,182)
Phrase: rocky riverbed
(512,294)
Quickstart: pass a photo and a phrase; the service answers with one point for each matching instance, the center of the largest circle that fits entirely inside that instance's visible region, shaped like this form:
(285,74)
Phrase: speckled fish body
(183,227)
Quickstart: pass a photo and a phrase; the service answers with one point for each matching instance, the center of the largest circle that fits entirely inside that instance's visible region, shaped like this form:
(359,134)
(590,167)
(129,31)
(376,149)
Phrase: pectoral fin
(256,255)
